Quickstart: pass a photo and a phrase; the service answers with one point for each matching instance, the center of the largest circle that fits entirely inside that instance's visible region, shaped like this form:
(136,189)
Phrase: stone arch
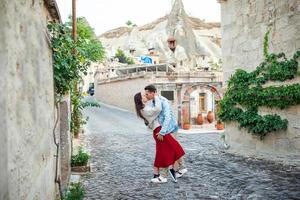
(186,100)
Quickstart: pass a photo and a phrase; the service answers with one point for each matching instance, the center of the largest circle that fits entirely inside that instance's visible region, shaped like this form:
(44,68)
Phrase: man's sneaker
(159,179)
(180,172)
(173,175)
(183,171)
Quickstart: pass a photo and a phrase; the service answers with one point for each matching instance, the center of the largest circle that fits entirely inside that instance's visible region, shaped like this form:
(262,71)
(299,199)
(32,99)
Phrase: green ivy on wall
(246,93)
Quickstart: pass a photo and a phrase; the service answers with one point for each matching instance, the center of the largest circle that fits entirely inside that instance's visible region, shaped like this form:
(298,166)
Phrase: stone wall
(27,162)
(244,23)
(65,141)
(121,93)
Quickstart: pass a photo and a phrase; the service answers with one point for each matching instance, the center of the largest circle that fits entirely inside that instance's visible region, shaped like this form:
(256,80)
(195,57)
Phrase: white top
(150,112)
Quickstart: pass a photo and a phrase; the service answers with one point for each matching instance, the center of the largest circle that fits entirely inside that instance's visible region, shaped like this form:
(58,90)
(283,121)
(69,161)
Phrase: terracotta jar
(186,126)
(210,116)
(219,126)
(200,119)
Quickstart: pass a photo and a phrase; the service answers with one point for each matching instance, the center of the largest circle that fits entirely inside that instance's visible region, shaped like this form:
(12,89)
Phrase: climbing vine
(247,92)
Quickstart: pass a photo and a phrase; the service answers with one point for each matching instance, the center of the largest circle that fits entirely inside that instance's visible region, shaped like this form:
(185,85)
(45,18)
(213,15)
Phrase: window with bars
(169,94)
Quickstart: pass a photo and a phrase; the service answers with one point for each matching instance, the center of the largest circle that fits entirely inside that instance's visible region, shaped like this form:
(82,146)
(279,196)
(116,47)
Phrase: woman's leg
(156,170)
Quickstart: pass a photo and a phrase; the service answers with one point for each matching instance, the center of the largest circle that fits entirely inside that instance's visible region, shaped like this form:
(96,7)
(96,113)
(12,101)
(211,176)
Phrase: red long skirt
(167,151)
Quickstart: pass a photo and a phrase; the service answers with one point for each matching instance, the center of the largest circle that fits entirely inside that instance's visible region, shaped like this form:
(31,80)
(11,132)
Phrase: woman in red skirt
(169,150)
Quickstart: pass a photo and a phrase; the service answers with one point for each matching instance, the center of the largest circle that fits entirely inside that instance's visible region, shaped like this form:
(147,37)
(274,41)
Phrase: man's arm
(167,117)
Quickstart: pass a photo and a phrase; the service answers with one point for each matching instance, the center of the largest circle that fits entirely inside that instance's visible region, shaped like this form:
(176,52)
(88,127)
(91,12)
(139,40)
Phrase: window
(202,102)
(168,94)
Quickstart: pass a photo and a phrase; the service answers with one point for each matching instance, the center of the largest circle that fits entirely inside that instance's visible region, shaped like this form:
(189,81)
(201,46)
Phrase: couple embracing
(157,114)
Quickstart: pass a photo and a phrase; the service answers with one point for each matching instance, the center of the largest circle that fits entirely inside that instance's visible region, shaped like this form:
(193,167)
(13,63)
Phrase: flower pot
(186,126)
(219,126)
(210,117)
(200,119)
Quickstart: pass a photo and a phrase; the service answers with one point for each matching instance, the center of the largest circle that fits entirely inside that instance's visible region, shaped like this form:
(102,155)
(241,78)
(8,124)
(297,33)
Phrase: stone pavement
(123,152)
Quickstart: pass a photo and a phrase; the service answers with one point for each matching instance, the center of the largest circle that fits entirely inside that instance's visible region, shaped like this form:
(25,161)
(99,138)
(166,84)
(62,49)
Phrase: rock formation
(198,42)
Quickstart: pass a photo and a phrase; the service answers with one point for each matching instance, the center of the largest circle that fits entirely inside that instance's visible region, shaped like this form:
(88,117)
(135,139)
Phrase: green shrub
(76,192)
(80,159)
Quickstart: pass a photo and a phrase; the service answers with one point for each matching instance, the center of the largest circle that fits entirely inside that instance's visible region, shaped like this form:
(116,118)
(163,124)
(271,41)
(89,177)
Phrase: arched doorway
(199,98)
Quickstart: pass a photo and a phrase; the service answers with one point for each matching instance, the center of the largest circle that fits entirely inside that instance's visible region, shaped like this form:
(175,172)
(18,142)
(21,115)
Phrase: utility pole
(74,29)
(74,33)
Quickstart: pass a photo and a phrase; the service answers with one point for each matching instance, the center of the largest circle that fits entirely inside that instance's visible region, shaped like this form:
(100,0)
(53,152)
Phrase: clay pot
(186,126)
(200,119)
(219,126)
(210,117)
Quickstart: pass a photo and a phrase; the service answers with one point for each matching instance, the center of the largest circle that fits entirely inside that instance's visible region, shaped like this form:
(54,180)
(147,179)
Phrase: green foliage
(80,159)
(72,59)
(130,24)
(76,192)
(84,30)
(246,93)
(78,105)
(123,58)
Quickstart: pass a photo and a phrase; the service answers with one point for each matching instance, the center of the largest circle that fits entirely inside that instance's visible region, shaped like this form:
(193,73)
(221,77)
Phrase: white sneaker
(180,172)
(159,179)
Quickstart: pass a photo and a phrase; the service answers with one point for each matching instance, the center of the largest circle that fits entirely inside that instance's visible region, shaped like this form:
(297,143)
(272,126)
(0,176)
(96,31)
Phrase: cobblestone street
(122,151)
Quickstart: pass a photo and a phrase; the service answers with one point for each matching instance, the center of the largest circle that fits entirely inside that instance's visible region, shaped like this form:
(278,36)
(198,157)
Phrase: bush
(76,192)
(80,159)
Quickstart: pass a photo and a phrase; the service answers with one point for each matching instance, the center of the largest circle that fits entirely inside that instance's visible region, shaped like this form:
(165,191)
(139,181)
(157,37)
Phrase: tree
(130,24)
(92,45)
(122,58)
(71,60)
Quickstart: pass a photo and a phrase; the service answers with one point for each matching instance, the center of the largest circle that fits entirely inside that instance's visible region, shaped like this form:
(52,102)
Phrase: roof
(52,7)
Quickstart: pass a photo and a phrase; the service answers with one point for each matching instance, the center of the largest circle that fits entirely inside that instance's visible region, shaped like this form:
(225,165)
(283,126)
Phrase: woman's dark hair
(150,88)
(139,106)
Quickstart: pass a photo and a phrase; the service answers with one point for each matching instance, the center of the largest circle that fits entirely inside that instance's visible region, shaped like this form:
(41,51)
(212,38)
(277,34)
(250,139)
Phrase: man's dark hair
(150,88)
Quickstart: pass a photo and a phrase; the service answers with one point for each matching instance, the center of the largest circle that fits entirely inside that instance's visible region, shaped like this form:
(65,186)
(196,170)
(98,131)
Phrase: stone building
(189,93)
(244,24)
(27,109)
(186,49)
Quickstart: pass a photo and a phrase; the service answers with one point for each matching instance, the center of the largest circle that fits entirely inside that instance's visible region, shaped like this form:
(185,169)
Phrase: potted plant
(219,125)
(79,161)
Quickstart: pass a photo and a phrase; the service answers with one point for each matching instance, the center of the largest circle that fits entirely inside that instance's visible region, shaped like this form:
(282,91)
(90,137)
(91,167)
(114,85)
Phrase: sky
(104,15)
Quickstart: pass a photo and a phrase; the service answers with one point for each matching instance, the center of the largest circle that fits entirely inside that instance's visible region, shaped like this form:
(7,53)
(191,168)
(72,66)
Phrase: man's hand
(159,137)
